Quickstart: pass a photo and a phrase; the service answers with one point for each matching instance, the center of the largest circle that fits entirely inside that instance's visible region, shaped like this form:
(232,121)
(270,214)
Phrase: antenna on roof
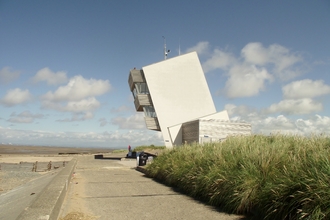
(179,47)
(165,51)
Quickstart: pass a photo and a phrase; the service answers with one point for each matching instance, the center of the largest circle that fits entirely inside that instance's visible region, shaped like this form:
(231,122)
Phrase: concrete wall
(217,130)
(190,132)
(177,131)
(179,92)
(49,201)
(212,130)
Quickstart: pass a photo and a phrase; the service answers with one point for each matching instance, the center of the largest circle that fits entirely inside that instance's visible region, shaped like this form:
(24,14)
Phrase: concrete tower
(173,92)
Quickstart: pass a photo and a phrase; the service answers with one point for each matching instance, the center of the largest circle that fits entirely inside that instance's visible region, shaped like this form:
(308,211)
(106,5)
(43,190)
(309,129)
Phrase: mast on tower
(165,51)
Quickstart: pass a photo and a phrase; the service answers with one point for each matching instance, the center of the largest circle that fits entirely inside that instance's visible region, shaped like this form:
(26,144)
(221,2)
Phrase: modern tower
(176,100)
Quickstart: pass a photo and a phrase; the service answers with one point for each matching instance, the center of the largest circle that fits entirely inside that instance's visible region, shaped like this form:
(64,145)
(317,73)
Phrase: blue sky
(64,65)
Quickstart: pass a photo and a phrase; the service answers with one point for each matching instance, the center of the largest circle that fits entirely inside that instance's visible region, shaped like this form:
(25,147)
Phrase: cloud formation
(77,97)
(78,88)
(80,116)
(24,117)
(306,88)
(246,81)
(83,105)
(281,124)
(103,122)
(7,76)
(248,74)
(296,106)
(51,78)
(282,58)
(16,97)
(261,123)
(132,122)
(121,109)
(114,139)
(220,60)
(200,48)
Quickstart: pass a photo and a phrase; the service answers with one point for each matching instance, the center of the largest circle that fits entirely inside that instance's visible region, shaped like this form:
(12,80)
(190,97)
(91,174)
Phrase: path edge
(48,205)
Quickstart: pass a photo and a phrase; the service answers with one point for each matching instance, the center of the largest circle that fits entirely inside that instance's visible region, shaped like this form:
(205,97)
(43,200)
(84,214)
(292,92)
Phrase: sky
(64,65)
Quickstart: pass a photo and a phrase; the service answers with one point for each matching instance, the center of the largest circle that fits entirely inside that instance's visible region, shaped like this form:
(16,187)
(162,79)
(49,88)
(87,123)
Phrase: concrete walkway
(13,203)
(112,189)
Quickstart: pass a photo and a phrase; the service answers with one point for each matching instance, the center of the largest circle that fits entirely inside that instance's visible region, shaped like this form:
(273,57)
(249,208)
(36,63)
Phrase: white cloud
(132,122)
(80,116)
(316,125)
(241,110)
(305,89)
(89,104)
(24,117)
(246,81)
(122,108)
(261,123)
(200,48)
(230,109)
(16,97)
(77,97)
(6,75)
(279,124)
(103,122)
(219,60)
(282,59)
(296,106)
(272,125)
(78,88)
(255,53)
(248,73)
(21,120)
(50,77)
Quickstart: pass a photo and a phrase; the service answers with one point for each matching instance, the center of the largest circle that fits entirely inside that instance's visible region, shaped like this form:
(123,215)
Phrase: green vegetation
(150,147)
(141,148)
(273,177)
(119,151)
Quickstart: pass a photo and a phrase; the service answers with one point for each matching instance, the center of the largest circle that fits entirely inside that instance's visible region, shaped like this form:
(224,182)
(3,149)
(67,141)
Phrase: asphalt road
(112,189)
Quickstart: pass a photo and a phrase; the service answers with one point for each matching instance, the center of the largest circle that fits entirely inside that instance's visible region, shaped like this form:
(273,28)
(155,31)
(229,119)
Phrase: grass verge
(150,147)
(278,176)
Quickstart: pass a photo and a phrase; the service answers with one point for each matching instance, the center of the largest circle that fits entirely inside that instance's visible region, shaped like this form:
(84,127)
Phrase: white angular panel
(179,92)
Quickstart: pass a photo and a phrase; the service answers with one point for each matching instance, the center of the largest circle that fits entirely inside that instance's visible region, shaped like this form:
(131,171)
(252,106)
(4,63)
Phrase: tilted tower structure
(175,98)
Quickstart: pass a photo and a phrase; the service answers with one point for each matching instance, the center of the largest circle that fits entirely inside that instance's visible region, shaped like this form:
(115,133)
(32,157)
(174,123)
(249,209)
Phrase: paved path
(15,201)
(113,189)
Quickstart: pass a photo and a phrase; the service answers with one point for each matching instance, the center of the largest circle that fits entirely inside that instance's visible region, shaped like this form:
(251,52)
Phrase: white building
(173,94)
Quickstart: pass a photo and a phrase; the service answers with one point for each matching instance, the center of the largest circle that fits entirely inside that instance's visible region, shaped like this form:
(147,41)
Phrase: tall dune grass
(275,177)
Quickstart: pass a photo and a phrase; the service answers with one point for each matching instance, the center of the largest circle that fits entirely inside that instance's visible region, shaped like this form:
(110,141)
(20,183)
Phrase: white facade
(172,92)
(179,91)
(212,130)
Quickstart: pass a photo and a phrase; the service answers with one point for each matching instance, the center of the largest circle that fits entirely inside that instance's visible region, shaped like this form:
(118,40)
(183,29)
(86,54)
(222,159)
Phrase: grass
(150,147)
(141,148)
(277,177)
(119,151)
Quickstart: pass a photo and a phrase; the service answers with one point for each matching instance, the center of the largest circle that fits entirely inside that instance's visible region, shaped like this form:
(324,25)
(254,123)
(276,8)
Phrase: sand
(17,162)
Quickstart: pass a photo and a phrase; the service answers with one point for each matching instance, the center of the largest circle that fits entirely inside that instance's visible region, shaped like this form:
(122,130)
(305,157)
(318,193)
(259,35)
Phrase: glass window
(134,93)
(149,111)
(142,88)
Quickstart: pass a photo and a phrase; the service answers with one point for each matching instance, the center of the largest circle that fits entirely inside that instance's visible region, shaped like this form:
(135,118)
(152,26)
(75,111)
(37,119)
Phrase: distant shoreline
(20,149)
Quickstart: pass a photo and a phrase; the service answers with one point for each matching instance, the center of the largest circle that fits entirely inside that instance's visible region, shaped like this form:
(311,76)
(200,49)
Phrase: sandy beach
(17,162)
